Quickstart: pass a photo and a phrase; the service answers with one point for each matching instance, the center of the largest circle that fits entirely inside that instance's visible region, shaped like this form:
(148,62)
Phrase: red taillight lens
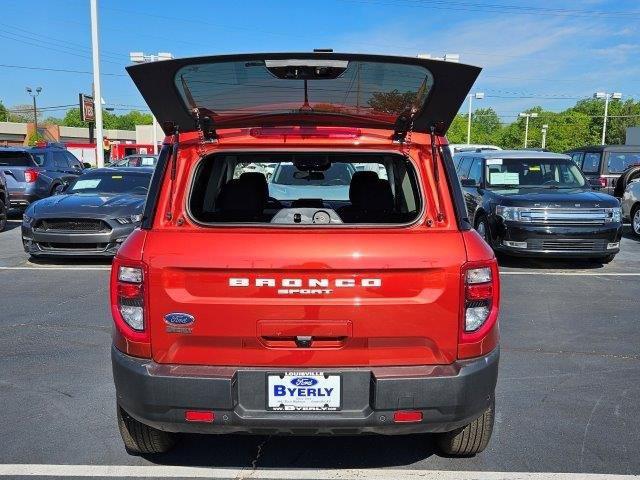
(481,287)
(205,416)
(31,175)
(407,416)
(602,181)
(128,307)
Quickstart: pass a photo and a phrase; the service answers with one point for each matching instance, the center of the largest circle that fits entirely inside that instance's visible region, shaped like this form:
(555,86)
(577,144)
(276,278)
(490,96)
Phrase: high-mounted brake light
(306,132)
(128,302)
(481,287)
(31,175)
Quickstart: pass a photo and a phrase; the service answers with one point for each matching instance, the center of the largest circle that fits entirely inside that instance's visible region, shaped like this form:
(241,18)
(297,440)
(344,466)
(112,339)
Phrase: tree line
(576,126)
(112,121)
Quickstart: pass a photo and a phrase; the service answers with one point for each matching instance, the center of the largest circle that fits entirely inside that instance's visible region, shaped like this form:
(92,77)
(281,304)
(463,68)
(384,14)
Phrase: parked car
(136,161)
(608,167)
(470,147)
(4,201)
(34,173)
(631,206)
(532,203)
(372,313)
(92,216)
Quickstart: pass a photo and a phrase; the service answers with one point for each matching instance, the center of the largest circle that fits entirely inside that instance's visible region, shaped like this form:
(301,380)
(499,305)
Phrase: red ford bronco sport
(305,264)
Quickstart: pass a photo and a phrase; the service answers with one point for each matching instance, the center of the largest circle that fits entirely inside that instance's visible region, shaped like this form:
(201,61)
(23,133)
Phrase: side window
(73,161)
(475,173)
(591,163)
(60,160)
(465,164)
(577,158)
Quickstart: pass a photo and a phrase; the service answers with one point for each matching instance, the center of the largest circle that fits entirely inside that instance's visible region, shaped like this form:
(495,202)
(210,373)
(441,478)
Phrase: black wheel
(606,259)
(3,216)
(482,227)
(635,220)
(141,438)
(470,439)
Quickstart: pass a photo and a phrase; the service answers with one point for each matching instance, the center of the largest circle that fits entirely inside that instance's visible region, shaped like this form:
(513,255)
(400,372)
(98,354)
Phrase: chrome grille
(573,244)
(72,225)
(567,216)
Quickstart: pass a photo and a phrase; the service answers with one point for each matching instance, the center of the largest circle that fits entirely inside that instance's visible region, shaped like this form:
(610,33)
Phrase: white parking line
(226,473)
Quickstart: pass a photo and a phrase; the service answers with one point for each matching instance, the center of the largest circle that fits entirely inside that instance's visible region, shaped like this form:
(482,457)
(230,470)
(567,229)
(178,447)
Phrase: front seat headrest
(361,181)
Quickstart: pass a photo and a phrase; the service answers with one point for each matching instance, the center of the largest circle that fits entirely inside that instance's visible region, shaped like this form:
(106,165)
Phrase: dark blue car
(34,173)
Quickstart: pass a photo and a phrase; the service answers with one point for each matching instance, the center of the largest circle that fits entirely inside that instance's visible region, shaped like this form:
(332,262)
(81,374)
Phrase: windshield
(527,173)
(109,183)
(16,159)
(227,90)
(619,161)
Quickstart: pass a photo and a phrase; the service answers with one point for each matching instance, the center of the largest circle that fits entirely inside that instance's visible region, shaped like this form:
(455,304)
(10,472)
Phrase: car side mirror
(468,182)
(87,165)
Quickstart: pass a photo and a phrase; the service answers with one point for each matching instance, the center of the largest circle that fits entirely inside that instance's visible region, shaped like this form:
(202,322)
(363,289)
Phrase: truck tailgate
(358,298)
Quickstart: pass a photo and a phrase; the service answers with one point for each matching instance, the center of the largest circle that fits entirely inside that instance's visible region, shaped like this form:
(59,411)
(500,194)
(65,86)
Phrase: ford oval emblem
(303,382)
(179,318)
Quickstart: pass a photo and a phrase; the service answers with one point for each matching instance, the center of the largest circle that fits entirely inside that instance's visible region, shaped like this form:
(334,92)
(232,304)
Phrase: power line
(59,70)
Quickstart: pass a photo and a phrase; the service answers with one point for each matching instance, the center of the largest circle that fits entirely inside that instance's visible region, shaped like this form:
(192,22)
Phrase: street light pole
(545,127)
(471,96)
(607,96)
(140,57)
(527,116)
(97,97)
(35,108)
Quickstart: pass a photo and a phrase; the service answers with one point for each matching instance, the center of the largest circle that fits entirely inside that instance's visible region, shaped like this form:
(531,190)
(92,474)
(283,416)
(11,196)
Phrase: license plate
(304,392)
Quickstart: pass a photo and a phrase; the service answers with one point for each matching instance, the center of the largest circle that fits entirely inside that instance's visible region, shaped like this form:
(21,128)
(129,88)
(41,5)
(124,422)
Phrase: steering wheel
(140,187)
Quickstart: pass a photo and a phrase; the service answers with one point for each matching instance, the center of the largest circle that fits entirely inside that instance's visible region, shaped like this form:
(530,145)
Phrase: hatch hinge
(205,126)
(404,125)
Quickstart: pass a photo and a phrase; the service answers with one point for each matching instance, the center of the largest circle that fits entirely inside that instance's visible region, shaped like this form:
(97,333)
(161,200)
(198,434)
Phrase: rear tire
(3,216)
(470,439)
(141,438)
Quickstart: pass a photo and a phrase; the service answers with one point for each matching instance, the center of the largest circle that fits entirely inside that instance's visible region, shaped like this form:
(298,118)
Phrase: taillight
(602,181)
(481,287)
(31,175)
(128,307)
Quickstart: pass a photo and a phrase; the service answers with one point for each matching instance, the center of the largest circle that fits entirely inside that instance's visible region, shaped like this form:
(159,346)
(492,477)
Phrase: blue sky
(533,53)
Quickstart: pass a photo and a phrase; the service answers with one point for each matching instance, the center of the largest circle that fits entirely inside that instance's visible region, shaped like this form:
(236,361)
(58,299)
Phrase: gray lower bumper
(448,396)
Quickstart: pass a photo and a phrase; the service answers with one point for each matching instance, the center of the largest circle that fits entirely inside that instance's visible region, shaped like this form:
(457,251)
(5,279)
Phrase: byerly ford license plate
(303,391)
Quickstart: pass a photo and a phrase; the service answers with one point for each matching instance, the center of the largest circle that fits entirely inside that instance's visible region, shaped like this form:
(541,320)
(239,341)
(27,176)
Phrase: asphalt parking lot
(567,397)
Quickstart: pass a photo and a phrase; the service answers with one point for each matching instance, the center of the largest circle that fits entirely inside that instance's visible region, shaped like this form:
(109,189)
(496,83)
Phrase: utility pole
(97,97)
(527,116)
(471,96)
(606,96)
(140,57)
(35,109)
(545,127)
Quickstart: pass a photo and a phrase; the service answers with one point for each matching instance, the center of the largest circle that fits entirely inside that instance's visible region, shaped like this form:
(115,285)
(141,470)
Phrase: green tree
(4,115)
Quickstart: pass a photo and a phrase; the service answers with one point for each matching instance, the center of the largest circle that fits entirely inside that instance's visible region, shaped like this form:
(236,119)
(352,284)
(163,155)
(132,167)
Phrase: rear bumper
(449,396)
(21,199)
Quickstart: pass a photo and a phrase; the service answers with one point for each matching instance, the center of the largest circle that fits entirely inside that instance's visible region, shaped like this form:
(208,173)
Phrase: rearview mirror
(87,165)
(468,182)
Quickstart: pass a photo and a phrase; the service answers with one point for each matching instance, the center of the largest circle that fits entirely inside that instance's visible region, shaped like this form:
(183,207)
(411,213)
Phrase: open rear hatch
(328,89)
